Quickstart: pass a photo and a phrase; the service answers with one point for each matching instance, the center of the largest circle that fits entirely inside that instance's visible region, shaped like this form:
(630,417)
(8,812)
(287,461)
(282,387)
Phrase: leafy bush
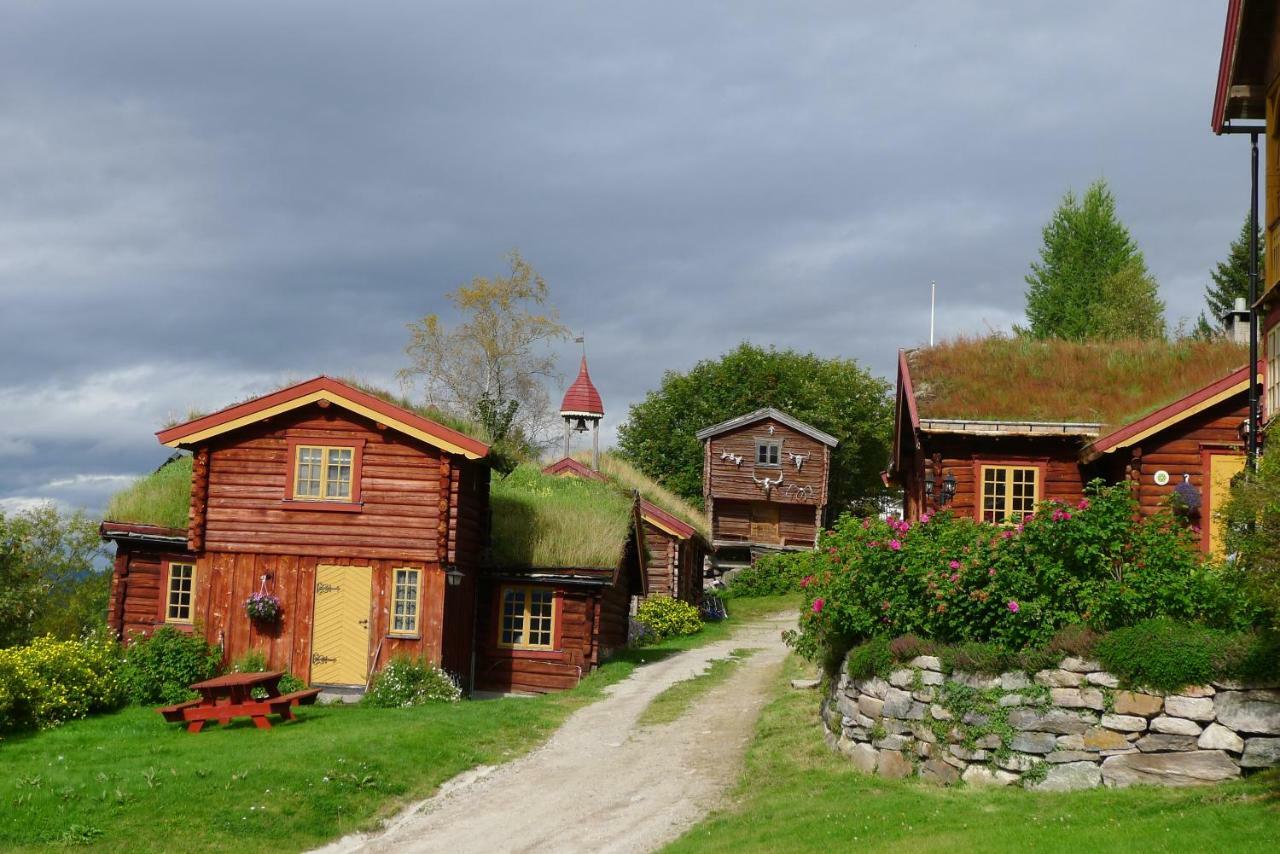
(908,647)
(771,575)
(871,658)
(255,661)
(953,580)
(290,683)
(160,669)
(667,617)
(978,657)
(51,681)
(1076,640)
(408,681)
(1163,654)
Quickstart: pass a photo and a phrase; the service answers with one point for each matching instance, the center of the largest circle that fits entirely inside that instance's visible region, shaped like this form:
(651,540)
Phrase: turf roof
(1020,379)
(627,476)
(160,498)
(546,522)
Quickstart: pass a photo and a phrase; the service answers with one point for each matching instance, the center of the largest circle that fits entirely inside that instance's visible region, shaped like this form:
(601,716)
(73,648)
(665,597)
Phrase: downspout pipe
(1251,442)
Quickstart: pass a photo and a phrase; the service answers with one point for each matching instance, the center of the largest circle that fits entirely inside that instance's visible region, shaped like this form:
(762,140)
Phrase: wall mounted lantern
(948,487)
(454,576)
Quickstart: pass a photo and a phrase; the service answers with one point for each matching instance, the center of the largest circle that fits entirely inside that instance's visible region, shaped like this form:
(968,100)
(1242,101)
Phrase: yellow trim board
(331,397)
(661,527)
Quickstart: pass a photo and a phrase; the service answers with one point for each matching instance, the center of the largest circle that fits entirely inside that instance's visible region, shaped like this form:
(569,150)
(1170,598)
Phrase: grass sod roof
(627,476)
(1019,379)
(160,498)
(546,522)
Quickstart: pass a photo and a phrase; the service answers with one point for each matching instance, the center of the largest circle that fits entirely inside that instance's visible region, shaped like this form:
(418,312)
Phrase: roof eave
(761,414)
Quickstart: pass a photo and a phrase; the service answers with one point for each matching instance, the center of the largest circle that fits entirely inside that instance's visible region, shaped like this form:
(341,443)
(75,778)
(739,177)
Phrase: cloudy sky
(198,201)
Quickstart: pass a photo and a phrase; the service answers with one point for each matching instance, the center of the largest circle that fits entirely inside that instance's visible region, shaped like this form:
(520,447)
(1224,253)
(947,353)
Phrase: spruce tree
(1230,280)
(1091,281)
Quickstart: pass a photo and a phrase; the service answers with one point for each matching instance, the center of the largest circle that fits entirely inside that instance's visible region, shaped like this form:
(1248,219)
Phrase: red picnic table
(225,697)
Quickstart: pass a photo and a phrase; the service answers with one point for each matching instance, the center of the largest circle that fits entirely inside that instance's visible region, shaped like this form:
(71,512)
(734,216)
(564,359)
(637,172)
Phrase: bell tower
(581,405)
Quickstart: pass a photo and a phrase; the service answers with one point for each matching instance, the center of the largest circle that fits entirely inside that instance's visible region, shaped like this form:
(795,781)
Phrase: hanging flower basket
(263,608)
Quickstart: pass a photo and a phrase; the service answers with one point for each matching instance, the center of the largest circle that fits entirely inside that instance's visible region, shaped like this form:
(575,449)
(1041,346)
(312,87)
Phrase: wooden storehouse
(765,483)
(365,518)
(991,428)
(564,564)
(675,545)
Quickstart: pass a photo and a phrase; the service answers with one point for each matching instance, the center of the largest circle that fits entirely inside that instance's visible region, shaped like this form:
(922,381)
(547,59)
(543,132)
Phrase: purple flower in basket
(263,607)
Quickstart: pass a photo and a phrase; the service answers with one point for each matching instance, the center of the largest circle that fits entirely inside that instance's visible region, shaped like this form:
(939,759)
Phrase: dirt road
(599,783)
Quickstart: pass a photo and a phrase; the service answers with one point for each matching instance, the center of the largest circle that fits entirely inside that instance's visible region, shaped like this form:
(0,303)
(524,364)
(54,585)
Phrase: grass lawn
(129,781)
(796,795)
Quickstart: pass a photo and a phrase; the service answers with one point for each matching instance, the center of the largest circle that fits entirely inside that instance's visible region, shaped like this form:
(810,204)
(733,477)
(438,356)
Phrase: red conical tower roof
(582,399)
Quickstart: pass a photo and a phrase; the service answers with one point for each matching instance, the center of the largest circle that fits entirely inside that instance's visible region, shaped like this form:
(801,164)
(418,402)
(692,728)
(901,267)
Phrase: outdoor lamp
(928,483)
(454,575)
(948,487)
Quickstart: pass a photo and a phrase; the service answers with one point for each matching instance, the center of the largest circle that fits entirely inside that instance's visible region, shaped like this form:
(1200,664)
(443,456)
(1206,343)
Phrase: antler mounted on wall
(733,458)
(767,484)
(798,459)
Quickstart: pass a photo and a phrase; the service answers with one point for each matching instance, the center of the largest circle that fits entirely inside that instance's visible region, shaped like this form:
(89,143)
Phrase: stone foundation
(1054,730)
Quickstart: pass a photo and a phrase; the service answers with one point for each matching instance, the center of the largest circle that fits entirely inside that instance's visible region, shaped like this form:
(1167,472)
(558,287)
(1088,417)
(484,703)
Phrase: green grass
(676,700)
(627,476)
(796,795)
(543,521)
(160,498)
(129,781)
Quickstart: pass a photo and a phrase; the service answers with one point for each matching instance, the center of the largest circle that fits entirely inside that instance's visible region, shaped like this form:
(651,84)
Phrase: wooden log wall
(1179,449)
(956,454)
(660,561)
(400,487)
(797,523)
(199,499)
(723,479)
(537,672)
(225,580)
(137,582)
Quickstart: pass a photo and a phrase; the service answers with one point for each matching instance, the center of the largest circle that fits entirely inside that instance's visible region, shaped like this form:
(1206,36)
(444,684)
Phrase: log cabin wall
(960,454)
(537,672)
(1182,448)
(661,557)
(137,582)
(224,580)
(469,510)
(399,490)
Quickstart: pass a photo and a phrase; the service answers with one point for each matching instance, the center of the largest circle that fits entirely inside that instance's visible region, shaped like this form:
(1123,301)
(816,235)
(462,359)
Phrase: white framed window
(1271,397)
(406,601)
(180,592)
(768,452)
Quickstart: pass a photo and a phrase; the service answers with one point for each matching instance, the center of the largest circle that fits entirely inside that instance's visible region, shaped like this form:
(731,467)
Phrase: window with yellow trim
(406,598)
(1271,400)
(1009,493)
(322,473)
(528,618)
(180,592)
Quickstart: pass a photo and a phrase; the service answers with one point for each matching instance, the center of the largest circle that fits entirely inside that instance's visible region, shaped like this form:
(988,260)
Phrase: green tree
(492,366)
(1230,282)
(64,554)
(835,395)
(21,588)
(1091,281)
(1252,516)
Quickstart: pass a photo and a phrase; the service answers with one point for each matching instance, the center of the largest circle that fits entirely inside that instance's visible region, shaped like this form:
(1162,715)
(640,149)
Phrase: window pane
(179,593)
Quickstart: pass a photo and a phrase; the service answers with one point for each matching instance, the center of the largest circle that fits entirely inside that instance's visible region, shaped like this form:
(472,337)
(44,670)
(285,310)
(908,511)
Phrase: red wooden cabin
(764,482)
(997,457)
(367,521)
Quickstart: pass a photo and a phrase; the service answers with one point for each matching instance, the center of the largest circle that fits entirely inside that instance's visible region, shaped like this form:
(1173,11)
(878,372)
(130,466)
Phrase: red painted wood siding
(399,486)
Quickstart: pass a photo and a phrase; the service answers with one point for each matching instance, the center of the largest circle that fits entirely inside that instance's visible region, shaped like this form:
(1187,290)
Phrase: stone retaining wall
(1057,730)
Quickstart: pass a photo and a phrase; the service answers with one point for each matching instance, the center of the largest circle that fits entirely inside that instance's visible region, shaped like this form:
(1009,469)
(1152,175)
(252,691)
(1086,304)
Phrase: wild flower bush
(667,617)
(953,579)
(161,668)
(49,681)
(408,681)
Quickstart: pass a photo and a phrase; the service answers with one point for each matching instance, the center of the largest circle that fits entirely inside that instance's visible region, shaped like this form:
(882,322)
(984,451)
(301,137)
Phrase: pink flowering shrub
(954,579)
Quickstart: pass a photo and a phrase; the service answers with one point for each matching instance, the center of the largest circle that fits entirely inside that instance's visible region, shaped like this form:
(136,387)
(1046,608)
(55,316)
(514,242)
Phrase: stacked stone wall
(1067,728)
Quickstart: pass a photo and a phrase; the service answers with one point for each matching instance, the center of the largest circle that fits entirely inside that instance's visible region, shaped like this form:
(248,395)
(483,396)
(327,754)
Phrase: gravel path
(600,784)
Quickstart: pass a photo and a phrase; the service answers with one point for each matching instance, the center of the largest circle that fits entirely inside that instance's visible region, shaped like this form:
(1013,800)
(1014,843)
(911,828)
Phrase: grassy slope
(159,498)
(238,788)
(796,795)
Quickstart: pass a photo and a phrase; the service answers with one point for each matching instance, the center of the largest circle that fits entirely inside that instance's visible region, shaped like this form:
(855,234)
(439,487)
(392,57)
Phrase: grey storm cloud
(198,201)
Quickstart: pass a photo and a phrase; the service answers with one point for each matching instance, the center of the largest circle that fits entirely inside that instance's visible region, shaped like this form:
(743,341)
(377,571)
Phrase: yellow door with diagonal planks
(340,631)
(1222,467)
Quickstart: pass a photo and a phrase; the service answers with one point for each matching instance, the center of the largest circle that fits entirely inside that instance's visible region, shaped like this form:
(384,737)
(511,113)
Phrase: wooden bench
(174,714)
(280,705)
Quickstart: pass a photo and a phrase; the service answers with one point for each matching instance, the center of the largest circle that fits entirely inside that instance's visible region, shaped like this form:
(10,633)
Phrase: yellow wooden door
(1222,467)
(340,631)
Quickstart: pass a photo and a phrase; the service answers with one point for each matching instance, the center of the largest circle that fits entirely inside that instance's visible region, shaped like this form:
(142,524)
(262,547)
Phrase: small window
(406,590)
(1272,396)
(528,618)
(180,591)
(322,473)
(1009,493)
(768,453)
